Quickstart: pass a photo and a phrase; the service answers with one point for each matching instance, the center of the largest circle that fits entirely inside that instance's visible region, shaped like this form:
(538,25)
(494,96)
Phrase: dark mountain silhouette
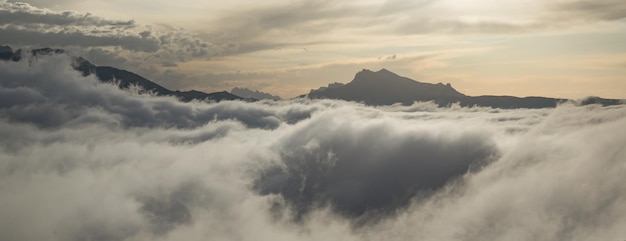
(124,79)
(382,87)
(253,94)
(385,88)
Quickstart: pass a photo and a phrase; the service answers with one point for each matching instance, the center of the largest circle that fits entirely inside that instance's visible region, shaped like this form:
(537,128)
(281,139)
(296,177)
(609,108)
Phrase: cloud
(24,25)
(23,13)
(63,101)
(23,37)
(453,26)
(610,10)
(281,25)
(82,160)
(182,46)
(361,167)
(104,57)
(288,24)
(539,177)
(46,3)
(282,18)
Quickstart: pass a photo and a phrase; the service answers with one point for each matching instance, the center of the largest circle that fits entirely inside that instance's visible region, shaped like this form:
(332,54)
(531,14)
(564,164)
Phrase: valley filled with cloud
(84,160)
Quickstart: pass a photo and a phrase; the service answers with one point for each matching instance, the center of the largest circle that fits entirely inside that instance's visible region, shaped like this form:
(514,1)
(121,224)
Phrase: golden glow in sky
(559,48)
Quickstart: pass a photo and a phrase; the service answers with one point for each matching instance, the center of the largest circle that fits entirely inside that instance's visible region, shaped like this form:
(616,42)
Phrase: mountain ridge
(123,78)
(253,94)
(381,87)
(384,87)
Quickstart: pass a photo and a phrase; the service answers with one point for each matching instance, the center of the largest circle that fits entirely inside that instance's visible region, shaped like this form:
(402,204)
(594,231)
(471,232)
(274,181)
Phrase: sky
(556,48)
(86,160)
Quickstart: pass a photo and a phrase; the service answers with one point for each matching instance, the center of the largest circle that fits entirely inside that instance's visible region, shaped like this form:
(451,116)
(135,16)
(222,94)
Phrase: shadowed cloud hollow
(358,166)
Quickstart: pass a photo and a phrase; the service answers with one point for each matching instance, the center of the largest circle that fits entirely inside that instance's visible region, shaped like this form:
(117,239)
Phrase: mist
(84,160)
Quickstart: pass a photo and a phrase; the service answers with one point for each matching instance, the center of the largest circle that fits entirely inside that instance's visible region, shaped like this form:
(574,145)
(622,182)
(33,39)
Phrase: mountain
(124,79)
(384,87)
(257,95)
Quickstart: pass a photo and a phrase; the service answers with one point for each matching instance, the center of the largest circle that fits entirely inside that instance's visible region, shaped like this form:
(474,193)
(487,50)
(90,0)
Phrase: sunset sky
(556,48)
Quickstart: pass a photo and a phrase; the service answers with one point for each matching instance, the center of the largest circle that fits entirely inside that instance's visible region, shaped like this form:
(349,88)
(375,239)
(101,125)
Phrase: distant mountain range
(384,87)
(124,79)
(254,94)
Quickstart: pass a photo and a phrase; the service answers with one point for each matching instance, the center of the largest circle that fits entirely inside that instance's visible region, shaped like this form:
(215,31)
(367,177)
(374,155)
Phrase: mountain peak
(384,87)
(385,71)
(380,77)
(381,71)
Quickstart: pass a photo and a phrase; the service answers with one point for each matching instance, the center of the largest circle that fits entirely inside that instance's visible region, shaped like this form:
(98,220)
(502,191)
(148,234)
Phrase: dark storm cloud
(82,160)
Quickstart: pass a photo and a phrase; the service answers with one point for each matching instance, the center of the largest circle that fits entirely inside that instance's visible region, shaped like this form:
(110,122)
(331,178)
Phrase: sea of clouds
(83,160)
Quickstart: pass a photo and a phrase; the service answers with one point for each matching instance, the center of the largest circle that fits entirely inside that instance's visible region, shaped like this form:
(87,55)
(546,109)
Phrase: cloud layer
(84,160)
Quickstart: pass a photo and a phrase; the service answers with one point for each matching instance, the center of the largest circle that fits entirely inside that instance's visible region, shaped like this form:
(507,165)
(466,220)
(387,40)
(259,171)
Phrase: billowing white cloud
(82,160)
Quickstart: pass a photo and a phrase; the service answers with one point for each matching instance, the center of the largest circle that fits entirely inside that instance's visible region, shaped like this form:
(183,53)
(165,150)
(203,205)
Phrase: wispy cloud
(313,19)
